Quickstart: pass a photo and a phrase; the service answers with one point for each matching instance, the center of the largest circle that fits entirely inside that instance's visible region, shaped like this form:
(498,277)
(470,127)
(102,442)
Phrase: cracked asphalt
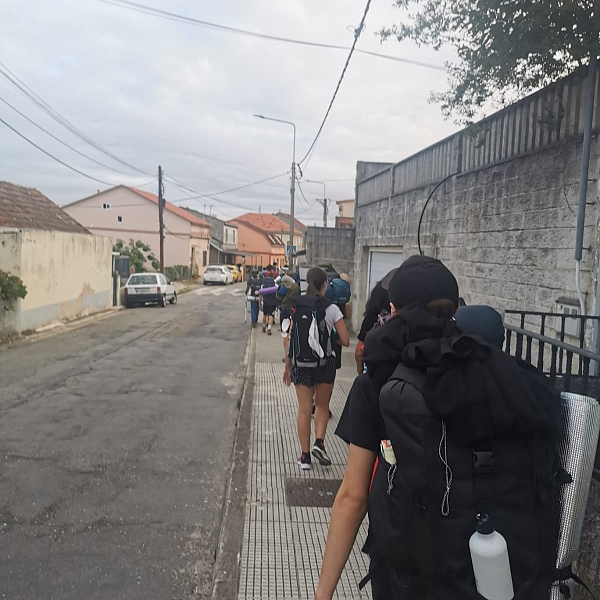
(115,444)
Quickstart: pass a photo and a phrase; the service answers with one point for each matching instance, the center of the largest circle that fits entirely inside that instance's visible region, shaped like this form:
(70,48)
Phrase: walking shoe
(318,451)
(264,328)
(304,461)
(269,332)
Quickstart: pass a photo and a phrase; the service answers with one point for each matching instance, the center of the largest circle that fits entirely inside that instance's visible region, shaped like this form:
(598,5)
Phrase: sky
(158,92)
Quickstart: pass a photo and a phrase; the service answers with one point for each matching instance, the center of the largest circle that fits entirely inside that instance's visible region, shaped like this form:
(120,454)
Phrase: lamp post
(323,202)
(292,188)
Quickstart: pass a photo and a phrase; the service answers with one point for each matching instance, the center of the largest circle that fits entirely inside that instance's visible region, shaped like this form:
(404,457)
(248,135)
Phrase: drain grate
(311,492)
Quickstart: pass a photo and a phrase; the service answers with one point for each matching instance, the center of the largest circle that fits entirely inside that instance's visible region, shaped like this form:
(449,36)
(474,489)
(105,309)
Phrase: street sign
(287,248)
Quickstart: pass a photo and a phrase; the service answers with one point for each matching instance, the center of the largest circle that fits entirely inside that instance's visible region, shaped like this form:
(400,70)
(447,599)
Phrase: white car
(217,274)
(148,287)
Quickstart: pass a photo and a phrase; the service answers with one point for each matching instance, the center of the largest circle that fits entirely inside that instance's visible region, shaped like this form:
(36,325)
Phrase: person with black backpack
(461,434)
(252,287)
(311,363)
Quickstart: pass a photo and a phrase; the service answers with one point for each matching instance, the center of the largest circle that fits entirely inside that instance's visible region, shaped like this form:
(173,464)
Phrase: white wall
(67,275)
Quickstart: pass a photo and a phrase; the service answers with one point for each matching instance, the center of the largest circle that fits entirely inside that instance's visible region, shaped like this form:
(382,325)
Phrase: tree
(138,253)
(505,48)
(11,288)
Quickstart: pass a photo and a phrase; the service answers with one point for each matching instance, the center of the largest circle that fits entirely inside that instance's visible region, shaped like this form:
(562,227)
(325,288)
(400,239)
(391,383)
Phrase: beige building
(66,270)
(128,213)
(345,218)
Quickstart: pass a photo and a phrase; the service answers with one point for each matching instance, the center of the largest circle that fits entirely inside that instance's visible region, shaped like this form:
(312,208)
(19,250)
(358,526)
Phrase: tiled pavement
(283,545)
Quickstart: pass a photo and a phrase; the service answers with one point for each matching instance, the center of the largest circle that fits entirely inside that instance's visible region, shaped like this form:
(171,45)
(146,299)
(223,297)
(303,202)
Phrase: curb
(231,536)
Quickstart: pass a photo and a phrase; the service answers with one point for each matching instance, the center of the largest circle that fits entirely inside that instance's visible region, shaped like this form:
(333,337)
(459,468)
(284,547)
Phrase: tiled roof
(26,208)
(264,222)
(274,240)
(286,217)
(180,212)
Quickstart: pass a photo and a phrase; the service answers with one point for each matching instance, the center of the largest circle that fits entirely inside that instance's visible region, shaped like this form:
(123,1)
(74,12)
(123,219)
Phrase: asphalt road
(115,443)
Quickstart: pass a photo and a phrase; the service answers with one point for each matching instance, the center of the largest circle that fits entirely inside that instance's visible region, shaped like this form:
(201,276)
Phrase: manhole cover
(311,492)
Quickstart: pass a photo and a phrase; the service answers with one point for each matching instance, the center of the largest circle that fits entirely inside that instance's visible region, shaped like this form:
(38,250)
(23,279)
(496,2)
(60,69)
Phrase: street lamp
(323,202)
(292,188)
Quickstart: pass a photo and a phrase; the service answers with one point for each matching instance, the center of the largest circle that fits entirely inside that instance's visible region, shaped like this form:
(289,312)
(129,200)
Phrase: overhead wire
(54,137)
(185,189)
(357,33)
(7,74)
(164,14)
(58,160)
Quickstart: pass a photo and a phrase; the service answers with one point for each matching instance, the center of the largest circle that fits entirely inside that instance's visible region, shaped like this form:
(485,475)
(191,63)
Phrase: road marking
(220,291)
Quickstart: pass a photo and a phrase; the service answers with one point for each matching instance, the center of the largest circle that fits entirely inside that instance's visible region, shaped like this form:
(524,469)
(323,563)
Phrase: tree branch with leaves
(505,48)
(139,254)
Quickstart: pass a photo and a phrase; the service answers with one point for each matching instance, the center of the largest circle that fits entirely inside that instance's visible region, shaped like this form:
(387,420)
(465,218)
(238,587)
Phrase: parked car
(217,274)
(142,288)
(237,274)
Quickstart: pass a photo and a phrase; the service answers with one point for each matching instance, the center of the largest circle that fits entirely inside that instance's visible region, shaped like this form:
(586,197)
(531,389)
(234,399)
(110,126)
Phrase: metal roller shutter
(380,264)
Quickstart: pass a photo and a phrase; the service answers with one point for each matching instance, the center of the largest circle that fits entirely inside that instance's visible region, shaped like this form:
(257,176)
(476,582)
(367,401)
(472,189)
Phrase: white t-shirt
(332,315)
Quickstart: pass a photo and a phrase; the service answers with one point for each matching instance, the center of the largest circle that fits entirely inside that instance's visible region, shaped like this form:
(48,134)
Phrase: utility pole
(161,224)
(325,204)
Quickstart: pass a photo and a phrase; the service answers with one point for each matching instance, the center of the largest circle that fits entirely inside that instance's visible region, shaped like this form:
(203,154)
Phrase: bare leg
(304,395)
(322,397)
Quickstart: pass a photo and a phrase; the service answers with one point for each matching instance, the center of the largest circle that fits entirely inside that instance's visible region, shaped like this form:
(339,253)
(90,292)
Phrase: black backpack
(254,284)
(304,310)
(423,508)
(269,299)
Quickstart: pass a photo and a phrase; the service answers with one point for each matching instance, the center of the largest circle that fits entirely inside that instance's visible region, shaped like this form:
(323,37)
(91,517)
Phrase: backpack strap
(426,569)
(484,476)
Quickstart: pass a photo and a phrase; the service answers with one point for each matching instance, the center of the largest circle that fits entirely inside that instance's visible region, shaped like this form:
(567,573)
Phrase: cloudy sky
(152,91)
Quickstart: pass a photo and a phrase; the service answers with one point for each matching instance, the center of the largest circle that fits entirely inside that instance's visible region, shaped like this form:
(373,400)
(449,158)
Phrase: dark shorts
(311,376)
(268,311)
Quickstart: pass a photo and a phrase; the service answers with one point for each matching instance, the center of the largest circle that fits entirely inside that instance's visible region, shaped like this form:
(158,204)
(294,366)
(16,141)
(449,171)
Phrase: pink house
(128,213)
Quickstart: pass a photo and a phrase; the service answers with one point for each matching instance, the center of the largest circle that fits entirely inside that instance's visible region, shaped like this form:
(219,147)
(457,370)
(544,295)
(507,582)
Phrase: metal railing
(570,368)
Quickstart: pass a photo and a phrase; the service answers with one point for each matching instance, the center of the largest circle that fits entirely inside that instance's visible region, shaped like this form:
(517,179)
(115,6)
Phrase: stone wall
(507,231)
(326,245)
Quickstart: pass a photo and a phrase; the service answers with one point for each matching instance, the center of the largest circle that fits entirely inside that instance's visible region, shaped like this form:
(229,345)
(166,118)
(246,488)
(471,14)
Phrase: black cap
(385,282)
(484,524)
(422,279)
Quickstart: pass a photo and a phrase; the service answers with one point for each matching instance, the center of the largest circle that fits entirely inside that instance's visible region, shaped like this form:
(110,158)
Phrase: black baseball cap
(422,279)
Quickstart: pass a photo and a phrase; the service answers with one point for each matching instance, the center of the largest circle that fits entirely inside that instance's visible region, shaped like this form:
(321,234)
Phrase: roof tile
(27,208)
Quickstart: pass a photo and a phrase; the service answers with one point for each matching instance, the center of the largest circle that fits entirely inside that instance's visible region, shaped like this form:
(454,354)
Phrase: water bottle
(491,566)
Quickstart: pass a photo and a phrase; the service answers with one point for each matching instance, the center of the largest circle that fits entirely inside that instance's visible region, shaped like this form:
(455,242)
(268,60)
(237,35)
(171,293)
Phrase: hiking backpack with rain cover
(428,490)
(310,343)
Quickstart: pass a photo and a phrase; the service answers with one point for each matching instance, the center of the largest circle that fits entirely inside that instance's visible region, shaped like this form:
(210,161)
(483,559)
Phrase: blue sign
(287,249)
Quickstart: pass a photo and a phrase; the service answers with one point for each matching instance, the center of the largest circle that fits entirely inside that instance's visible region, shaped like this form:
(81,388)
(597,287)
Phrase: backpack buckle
(483,461)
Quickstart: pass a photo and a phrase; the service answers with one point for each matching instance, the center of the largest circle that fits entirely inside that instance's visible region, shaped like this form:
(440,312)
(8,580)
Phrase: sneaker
(304,461)
(269,332)
(264,328)
(318,451)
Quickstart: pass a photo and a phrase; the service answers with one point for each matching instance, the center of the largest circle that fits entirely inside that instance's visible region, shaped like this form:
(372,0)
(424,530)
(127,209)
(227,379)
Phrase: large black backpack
(304,310)
(269,300)
(423,509)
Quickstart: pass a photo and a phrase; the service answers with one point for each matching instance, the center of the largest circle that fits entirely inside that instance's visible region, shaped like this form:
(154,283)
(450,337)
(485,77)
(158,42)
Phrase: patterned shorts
(311,376)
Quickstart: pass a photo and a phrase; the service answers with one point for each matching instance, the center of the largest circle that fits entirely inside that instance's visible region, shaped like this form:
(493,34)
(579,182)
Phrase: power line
(302,194)
(59,140)
(54,157)
(185,189)
(149,10)
(339,84)
(40,102)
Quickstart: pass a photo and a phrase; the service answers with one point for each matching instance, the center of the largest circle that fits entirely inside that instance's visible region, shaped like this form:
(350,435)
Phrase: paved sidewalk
(285,529)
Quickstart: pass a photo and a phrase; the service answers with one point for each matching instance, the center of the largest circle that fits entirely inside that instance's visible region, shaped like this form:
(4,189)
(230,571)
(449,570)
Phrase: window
(204,258)
(234,236)
(119,219)
(142,280)
(105,206)
(226,236)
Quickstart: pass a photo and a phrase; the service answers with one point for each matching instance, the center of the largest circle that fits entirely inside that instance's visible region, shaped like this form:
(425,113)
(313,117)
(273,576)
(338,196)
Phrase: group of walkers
(449,438)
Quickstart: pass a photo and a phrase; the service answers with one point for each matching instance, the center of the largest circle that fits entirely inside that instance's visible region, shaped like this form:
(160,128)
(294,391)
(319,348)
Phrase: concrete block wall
(330,245)
(507,231)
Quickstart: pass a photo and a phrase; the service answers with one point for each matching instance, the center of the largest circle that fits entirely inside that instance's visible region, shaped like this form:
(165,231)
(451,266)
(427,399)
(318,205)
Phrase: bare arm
(358,357)
(340,329)
(349,510)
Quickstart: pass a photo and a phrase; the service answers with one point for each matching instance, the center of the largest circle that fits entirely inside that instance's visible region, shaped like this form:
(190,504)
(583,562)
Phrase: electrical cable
(357,33)
(61,141)
(433,191)
(185,189)
(302,194)
(41,103)
(149,10)
(54,157)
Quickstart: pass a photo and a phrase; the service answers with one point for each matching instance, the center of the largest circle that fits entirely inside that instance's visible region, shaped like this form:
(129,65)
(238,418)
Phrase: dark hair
(442,308)
(378,301)
(269,268)
(317,280)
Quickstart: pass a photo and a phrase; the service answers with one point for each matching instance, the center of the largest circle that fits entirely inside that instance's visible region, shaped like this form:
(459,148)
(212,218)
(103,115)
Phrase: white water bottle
(491,566)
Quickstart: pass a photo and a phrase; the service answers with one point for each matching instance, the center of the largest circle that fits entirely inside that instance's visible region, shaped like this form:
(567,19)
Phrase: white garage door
(380,264)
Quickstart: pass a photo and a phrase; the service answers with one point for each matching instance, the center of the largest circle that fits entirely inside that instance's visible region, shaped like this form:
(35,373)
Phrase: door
(381,262)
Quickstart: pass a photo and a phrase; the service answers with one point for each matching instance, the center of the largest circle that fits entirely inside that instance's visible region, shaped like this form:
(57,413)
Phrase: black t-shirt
(361,423)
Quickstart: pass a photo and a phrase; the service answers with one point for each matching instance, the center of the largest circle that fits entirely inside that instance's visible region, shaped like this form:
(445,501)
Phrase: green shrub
(11,288)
